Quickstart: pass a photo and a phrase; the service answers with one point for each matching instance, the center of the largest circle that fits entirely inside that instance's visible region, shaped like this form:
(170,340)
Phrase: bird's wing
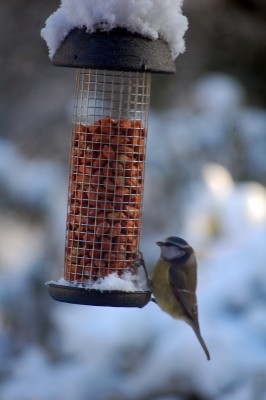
(188,299)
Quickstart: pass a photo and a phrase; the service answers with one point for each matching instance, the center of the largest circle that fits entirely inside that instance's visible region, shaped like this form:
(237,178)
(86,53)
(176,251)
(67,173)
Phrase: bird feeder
(107,160)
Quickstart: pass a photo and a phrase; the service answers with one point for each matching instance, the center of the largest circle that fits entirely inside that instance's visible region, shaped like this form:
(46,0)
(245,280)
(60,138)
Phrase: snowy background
(205,181)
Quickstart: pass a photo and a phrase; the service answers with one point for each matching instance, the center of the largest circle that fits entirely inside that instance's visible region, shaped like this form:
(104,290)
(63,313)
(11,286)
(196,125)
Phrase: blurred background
(205,181)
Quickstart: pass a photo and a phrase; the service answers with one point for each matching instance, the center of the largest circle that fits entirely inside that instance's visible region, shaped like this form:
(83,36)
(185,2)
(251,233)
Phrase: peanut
(83,169)
(120,139)
(83,179)
(108,152)
(123,158)
(99,162)
(108,122)
(115,230)
(102,228)
(119,181)
(125,123)
(100,263)
(109,185)
(106,243)
(94,128)
(107,170)
(109,256)
(95,253)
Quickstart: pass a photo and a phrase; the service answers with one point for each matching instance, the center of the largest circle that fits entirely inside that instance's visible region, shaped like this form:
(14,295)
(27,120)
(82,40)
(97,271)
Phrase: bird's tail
(196,329)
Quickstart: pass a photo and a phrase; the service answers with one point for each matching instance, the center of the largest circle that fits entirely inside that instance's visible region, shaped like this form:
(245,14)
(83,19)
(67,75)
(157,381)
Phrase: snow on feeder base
(107,164)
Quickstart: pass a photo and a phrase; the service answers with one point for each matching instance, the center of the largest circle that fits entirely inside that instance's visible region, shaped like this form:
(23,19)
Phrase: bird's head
(173,248)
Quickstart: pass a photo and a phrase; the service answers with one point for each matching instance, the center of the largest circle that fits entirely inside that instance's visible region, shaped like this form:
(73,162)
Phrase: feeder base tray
(93,297)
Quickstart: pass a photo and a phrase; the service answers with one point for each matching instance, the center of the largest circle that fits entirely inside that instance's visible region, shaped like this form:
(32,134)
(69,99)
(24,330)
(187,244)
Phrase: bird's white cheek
(170,252)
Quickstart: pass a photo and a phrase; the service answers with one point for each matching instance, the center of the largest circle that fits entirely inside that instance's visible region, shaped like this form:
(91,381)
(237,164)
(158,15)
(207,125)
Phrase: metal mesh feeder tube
(106,177)
(106,173)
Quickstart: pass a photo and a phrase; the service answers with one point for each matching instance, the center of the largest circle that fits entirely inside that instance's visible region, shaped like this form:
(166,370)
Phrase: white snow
(149,18)
(126,283)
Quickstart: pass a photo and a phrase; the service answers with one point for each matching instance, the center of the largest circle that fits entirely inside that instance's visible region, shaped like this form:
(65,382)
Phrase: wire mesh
(106,180)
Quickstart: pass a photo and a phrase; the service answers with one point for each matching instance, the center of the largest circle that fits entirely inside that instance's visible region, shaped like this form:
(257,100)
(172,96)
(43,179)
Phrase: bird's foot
(141,263)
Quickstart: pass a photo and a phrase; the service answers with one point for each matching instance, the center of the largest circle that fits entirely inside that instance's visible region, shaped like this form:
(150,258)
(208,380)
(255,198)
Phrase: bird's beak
(159,243)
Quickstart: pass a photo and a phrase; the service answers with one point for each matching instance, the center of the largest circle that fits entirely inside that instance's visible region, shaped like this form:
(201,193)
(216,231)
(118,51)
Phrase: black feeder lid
(93,297)
(117,50)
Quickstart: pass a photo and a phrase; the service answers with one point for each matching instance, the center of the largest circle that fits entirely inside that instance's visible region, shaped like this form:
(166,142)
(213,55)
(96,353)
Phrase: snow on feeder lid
(107,163)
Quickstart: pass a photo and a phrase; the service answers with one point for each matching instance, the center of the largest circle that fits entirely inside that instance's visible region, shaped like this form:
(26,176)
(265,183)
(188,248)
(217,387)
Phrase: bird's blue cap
(174,240)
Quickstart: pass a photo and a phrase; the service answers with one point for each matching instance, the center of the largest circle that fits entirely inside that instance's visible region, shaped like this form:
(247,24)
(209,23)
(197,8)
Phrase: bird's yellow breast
(162,290)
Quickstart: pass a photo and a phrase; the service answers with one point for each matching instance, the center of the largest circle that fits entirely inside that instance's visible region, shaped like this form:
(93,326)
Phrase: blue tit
(174,281)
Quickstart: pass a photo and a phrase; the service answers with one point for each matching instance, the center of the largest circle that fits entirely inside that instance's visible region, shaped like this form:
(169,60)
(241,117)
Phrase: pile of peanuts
(105,198)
